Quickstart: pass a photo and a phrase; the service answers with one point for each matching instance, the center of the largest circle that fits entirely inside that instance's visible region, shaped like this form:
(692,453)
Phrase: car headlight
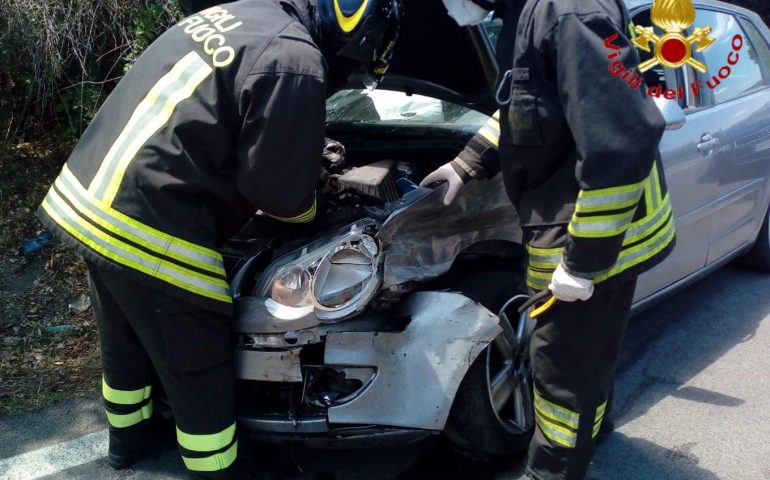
(336,276)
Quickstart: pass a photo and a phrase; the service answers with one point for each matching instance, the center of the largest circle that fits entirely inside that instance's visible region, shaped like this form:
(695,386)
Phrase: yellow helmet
(364,31)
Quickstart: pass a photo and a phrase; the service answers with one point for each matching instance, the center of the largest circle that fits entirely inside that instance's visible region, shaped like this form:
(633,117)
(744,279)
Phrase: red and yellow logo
(673,49)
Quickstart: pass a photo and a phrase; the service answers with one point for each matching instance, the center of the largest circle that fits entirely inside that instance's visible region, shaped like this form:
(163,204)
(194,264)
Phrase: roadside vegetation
(58,61)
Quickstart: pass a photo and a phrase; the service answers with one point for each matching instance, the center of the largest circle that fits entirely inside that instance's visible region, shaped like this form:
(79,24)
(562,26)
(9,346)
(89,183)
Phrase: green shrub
(59,59)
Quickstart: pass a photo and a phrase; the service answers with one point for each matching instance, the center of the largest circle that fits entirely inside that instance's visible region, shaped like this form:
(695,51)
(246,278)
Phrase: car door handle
(708,143)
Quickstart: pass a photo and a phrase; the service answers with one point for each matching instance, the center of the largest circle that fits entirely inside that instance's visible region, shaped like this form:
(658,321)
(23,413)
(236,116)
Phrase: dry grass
(37,365)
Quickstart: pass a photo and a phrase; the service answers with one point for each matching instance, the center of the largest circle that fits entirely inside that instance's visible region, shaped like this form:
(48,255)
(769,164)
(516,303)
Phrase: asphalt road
(692,403)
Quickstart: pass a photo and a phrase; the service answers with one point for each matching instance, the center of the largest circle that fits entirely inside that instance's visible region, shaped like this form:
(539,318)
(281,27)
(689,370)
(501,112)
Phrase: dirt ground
(48,342)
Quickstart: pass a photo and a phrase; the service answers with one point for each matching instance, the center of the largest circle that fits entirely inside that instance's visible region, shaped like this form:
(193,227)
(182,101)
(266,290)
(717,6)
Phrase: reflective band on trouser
(125,420)
(541,262)
(598,419)
(117,250)
(125,397)
(206,442)
(538,280)
(120,224)
(308,216)
(150,115)
(222,443)
(556,413)
(212,463)
(557,423)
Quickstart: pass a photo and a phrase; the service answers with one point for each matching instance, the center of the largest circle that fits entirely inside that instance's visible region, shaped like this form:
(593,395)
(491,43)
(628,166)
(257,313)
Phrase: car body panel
(719,196)
(418,370)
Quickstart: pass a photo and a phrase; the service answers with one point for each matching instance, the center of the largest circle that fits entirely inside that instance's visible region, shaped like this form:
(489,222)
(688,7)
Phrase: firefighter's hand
(445,173)
(568,288)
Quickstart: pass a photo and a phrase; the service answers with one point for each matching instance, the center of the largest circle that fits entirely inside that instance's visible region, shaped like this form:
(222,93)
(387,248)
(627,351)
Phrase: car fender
(418,369)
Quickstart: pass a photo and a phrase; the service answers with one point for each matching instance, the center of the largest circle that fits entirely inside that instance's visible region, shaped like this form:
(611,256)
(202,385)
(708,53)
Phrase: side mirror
(671,112)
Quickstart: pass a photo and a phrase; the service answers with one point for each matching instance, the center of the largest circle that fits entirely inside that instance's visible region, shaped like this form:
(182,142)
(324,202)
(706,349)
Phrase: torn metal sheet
(418,370)
(268,366)
(423,238)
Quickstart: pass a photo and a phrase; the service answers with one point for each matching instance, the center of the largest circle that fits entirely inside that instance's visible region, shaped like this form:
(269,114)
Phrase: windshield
(386,107)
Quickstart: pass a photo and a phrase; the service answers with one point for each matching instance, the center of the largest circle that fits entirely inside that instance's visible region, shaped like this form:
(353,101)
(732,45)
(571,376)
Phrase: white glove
(465,12)
(568,288)
(445,173)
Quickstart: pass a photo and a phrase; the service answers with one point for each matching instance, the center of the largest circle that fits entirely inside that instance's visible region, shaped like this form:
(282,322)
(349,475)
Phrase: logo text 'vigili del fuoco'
(673,49)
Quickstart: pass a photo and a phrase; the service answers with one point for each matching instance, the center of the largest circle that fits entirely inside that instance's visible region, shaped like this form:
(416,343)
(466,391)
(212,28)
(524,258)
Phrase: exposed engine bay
(308,297)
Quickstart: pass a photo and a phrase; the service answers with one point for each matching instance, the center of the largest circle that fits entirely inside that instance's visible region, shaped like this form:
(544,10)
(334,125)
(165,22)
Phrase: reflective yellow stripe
(149,116)
(556,412)
(545,265)
(642,228)
(598,418)
(206,442)
(213,463)
(538,280)
(130,256)
(491,130)
(493,140)
(125,397)
(117,223)
(301,218)
(536,283)
(542,259)
(556,433)
(544,254)
(644,251)
(657,198)
(118,420)
(612,201)
(601,225)
(599,193)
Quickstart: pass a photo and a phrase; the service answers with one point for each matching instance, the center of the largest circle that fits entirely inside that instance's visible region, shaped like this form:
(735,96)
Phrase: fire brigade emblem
(673,49)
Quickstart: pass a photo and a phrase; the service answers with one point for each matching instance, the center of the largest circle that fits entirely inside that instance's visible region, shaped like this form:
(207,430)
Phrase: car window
(746,74)
(760,46)
(386,107)
(656,76)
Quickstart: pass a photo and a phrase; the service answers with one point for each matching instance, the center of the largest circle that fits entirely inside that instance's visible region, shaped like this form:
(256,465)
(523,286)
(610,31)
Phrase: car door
(691,185)
(738,63)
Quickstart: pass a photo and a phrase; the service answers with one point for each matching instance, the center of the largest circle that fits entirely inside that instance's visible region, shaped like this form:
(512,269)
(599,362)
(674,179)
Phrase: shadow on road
(676,340)
(644,460)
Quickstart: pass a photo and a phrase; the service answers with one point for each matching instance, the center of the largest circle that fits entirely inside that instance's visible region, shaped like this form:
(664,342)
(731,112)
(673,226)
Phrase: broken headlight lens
(291,287)
(336,276)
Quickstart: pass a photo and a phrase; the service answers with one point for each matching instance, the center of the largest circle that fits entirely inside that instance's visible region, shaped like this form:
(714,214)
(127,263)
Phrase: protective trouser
(574,350)
(189,349)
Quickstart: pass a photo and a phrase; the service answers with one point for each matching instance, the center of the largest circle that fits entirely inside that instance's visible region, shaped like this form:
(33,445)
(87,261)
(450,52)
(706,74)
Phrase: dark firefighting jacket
(222,116)
(577,146)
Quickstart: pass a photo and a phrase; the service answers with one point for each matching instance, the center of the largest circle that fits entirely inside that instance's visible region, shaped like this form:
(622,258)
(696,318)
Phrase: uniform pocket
(523,117)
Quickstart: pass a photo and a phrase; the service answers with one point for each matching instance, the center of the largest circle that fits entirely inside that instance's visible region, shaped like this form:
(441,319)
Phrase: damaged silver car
(391,320)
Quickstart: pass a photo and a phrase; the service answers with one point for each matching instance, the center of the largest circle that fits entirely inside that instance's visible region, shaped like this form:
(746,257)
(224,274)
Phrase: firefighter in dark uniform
(220,117)
(579,158)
